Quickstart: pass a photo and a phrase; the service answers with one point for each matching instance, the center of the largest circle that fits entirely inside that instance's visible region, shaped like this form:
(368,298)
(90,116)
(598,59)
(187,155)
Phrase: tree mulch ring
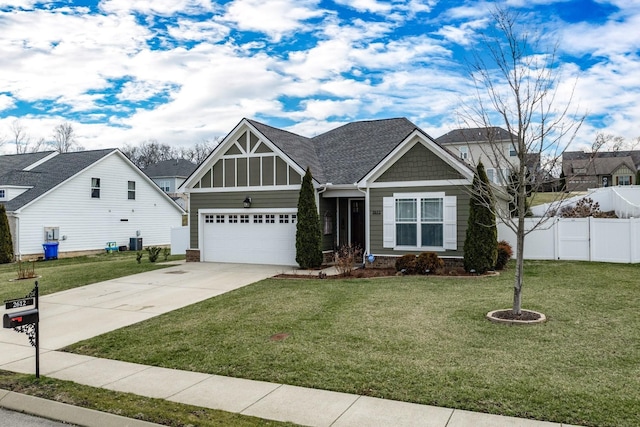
(526,317)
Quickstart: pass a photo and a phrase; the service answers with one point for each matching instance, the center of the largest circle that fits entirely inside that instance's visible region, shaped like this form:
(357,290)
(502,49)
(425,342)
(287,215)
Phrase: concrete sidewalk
(95,309)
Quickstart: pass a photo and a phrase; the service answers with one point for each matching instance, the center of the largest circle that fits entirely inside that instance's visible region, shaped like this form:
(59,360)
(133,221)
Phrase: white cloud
(6,102)
(156,7)
(373,6)
(198,31)
(317,109)
(275,18)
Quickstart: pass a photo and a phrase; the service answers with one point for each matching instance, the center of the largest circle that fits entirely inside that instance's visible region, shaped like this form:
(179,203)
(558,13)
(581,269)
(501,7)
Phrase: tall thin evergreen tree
(481,243)
(308,231)
(6,244)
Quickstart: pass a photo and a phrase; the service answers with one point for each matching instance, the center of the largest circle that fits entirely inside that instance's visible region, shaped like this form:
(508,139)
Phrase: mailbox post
(25,321)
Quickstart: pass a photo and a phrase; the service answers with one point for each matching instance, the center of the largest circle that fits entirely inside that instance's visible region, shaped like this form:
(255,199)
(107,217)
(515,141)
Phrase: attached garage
(250,237)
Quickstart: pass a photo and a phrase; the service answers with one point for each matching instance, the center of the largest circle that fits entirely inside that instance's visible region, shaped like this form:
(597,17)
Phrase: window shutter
(450,223)
(388,222)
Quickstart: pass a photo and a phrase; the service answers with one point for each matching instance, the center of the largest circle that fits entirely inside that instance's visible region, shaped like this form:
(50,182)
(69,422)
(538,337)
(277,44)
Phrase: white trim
(247,211)
(434,183)
(241,189)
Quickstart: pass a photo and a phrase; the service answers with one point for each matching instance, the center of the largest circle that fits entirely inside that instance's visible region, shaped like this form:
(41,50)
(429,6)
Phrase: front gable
(418,159)
(419,164)
(246,160)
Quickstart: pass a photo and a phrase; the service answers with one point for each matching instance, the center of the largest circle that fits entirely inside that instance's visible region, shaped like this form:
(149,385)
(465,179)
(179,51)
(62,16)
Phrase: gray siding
(233,200)
(328,240)
(462,206)
(419,164)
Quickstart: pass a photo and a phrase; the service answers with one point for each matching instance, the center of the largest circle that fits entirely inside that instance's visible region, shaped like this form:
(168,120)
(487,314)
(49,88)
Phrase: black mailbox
(20,318)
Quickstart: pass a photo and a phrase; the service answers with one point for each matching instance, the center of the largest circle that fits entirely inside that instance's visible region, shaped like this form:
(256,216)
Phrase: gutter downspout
(367,234)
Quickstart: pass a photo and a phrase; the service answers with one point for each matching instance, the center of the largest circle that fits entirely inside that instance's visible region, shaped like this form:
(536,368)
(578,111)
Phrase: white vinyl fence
(179,240)
(580,239)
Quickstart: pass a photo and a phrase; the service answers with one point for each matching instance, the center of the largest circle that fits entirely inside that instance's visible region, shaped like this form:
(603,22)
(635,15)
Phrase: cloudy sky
(183,71)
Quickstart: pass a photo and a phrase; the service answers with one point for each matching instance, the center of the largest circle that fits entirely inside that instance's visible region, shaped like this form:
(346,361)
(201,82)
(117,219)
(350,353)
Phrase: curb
(64,412)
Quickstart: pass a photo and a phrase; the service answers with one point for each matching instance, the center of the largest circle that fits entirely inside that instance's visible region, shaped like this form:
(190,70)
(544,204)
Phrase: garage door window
(270,219)
(233,219)
(220,219)
(257,219)
(208,219)
(244,219)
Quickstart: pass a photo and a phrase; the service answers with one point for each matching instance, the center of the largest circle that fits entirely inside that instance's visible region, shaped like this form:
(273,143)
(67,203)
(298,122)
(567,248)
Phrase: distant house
(493,146)
(83,201)
(169,176)
(583,171)
(382,185)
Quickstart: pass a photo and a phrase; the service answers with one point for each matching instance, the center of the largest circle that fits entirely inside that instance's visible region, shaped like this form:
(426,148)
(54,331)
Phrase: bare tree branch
(517,87)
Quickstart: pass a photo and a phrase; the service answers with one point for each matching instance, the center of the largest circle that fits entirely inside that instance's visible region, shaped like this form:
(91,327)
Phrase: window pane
(406,234)
(431,210)
(432,235)
(405,210)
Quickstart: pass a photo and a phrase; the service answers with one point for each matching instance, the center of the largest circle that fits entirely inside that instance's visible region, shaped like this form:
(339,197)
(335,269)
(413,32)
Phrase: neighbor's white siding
(88,223)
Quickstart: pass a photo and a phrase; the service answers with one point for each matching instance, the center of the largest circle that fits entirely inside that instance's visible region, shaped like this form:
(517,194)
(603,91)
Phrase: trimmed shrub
(308,231)
(428,261)
(481,242)
(505,252)
(406,264)
(6,244)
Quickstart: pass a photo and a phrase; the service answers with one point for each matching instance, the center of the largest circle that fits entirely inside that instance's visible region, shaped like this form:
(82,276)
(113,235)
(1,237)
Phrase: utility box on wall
(135,244)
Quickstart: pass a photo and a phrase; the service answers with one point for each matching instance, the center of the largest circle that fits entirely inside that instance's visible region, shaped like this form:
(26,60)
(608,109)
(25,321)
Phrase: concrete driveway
(80,313)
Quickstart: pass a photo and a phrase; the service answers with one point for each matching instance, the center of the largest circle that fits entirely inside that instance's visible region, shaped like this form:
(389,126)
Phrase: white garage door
(255,238)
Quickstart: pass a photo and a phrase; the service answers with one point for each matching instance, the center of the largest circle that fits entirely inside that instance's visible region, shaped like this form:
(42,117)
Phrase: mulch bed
(365,273)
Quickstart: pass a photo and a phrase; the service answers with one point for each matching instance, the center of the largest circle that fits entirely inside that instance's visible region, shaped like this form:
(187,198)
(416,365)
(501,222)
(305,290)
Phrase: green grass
(157,411)
(66,273)
(420,339)
(548,197)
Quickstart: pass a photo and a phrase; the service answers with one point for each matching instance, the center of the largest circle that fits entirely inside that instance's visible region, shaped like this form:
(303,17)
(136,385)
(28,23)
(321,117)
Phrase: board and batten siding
(89,223)
(376,216)
(233,200)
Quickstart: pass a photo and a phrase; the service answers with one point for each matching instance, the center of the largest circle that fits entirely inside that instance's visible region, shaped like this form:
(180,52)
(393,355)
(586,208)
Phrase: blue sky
(182,71)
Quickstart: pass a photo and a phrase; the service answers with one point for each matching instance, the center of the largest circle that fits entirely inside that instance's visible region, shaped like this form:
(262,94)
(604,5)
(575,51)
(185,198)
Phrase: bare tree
(64,137)
(613,143)
(200,151)
(19,136)
(517,86)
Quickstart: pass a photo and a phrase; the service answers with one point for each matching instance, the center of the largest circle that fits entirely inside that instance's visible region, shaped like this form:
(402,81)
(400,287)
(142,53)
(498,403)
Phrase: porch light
(247,202)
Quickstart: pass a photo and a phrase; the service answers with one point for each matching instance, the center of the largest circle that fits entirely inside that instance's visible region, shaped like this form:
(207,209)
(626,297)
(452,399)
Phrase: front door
(357,214)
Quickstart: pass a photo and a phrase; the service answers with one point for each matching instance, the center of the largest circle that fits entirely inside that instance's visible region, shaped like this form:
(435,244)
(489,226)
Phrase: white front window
(464,152)
(420,222)
(165,186)
(3,194)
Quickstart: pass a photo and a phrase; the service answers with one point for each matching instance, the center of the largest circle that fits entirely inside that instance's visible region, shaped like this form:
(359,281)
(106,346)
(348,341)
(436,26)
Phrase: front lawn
(419,339)
(66,273)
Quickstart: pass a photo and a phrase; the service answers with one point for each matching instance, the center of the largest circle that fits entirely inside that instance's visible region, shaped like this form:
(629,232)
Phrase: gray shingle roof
(343,155)
(474,135)
(349,152)
(43,177)
(176,168)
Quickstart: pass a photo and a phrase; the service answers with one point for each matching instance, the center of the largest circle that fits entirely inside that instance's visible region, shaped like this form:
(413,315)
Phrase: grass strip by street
(128,405)
(419,339)
(66,273)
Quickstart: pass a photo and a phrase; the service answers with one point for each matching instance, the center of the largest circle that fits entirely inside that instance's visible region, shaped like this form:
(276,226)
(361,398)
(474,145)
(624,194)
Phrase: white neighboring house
(82,200)
(473,145)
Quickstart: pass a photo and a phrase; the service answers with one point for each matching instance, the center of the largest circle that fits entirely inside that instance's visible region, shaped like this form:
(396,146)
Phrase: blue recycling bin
(50,250)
